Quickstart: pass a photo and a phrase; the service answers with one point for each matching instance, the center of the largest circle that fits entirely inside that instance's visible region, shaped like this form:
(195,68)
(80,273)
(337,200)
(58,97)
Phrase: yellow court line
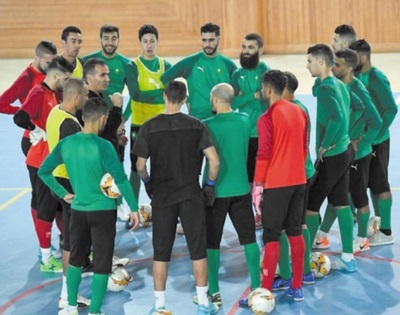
(12,188)
(23,192)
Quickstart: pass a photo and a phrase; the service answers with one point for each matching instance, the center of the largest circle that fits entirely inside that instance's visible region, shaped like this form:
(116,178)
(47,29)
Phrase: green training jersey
(202,73)
(230,133)
(116,65)
(371,118)
(310,169)
(246,82)
(378,87)
(87,157)
(333,112)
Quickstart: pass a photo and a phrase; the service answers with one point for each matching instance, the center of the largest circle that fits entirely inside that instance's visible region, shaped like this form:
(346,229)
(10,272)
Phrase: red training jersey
(38,104)
(282,146)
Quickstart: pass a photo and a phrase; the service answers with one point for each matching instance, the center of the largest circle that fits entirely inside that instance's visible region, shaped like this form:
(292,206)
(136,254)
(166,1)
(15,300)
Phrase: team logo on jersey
(200,68)
(242,77)
(219,70)
(355,166)
(152,81)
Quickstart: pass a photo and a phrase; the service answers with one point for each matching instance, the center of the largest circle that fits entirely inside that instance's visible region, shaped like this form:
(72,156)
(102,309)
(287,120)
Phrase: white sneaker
(360,244)
(379,238)
(123,212)
(374,224)
(97,313)
(81,302)
(321,242)
(179,229)
(65,311)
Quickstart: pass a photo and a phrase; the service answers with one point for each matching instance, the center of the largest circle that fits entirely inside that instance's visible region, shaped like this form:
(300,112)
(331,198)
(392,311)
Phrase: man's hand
(134,220)
(209,192)
(68,198)
(117,99)
(322,151)
(36,135)
(256,194)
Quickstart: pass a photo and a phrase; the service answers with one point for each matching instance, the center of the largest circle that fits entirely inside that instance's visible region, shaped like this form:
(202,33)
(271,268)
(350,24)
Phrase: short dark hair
(276,79)
(71,86)
(108,28)
(60,64)
(147,29)
(69,29)
(94,108)
(90,65)
(346,30)
(349,56)
(256,37)
(291,82)
(45,47)
(323,51)
(175,92)
(361,46)
(210,28)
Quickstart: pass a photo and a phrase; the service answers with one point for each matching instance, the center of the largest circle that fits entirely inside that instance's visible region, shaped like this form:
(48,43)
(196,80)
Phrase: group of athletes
(246,122)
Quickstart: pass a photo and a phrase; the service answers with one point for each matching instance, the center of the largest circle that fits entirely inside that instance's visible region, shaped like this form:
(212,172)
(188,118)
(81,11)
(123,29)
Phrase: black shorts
(133,136)
(282,209)
(251,158)
(332,181)
(42,199)
(378,168)
(310,182)
(66,213)
(95,228)
(359,174)
(25,145)
(241,213)
(192,215)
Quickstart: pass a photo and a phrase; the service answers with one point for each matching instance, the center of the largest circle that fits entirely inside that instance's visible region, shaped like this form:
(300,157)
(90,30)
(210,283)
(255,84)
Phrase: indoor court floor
(24,290)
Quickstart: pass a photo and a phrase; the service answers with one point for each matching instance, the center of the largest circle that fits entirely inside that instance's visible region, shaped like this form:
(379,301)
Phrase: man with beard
(203,71)
(109,40)
(71,42)
(343,36)
(246,82)
(145,89)
(32,116)
(93,215)
(378,86)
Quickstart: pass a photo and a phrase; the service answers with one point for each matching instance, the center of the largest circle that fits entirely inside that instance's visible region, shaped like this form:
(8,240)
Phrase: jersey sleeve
(181,69)
(33,103)
(205,139)
(140,147)
(264,152)
(15,92)
(68,127)
(356,116)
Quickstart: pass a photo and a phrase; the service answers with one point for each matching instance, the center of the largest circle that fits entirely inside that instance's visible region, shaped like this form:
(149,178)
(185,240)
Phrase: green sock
(252,253)
(362,221)
(374,200)
(99,287)
(385,208)
(134,179)
(329,219)
(345,219)
(284,259)
(213,259)
(74,277)
(312,222)
(306,236)
(352,206)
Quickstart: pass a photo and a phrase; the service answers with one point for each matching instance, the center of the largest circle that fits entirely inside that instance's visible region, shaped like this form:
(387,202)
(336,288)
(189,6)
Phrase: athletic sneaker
(53,265)
(295,294)
(54,251)
(244,302)
(360,245)
(207,310)
(258,221)
(87,270)
(321,242)
(214,298)
(379,238)
(308,278)
(65,311)
(81,302)
(374,223)
(153,309)
(179,229)
(281,284)
(347,266)
(97,313)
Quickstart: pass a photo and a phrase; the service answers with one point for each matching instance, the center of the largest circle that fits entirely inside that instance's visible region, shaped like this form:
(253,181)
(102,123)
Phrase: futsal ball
(374,225)
(145,215)
(108,187)
(118,279)
(320,264)
(261,301)
(161,312)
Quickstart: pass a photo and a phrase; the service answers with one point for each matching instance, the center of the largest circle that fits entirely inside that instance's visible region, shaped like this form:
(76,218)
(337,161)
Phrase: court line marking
(10,201)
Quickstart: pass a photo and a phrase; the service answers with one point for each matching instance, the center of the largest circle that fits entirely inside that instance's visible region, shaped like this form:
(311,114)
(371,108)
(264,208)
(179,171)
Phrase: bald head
(221,97)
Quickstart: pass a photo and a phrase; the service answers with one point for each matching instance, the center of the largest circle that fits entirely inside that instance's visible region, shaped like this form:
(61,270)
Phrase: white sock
(202,295)
(46,253)
(321,234)
(160,298)
(64,292)
(72,308)
(347,257)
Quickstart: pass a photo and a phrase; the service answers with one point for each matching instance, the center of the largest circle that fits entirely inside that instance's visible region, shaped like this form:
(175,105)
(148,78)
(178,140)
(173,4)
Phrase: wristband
(146,180)
(210,182)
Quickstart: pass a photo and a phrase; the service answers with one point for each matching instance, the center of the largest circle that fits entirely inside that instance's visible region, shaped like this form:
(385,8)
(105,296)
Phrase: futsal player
(71,43)
(343,36)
